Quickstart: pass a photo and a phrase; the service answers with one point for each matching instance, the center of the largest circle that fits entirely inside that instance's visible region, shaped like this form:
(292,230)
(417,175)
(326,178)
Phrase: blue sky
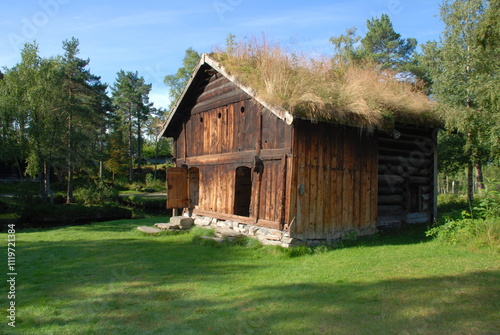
(151,36)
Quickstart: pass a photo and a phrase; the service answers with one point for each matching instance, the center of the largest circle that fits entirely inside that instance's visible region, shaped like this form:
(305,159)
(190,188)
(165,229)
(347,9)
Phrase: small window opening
(242,109)
(242,191)
(219,115)
(201,119)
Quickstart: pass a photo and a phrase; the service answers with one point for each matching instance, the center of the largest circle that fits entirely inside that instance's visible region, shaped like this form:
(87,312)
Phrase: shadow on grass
(140,285)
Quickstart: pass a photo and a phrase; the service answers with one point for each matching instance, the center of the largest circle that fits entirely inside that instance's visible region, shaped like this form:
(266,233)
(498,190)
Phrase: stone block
(228,232)
(207,221)
(168,226)
(149,230)
(182,221)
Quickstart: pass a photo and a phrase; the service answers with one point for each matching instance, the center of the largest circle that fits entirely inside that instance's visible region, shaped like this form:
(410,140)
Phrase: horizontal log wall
(406,176)
(336,182)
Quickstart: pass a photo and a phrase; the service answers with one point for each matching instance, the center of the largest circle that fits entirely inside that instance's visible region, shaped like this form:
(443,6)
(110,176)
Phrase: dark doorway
(194,186)
(242,191)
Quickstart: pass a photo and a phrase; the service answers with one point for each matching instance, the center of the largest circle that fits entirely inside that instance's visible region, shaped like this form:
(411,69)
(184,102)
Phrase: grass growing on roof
(107,278)
(321,89)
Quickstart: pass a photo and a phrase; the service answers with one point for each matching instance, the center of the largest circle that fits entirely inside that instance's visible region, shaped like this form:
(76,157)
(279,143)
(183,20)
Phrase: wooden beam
(283,193)
(225,216)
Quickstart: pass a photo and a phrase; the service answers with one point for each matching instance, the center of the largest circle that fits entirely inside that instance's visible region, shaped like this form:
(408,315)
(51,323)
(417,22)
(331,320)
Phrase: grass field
(107,278)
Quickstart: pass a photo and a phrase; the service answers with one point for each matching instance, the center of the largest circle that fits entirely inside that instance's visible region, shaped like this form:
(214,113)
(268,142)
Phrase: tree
(83,118)
(131,99)
(381,44)
(459,72)
(178,81)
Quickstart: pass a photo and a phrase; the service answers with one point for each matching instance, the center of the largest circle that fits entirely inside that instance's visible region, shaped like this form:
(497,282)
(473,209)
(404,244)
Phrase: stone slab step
(169,226)
(148,230)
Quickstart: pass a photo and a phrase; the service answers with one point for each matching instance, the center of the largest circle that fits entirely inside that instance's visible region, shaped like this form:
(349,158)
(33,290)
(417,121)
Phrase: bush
(475,233)
(97,193)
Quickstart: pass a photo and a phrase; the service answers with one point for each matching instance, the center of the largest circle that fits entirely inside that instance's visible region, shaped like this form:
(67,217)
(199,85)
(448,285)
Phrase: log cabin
(257,168)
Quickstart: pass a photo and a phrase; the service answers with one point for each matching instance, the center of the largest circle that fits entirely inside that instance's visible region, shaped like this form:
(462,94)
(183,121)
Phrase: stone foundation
(269,236)
(266,236)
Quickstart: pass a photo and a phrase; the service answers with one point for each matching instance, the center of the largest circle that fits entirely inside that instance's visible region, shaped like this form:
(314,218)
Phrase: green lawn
(107,278)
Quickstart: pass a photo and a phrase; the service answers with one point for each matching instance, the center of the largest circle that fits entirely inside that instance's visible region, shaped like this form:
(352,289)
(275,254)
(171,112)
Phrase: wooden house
(257,168)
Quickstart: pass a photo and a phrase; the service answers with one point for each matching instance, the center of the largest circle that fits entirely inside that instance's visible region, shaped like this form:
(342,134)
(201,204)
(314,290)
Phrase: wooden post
(283,192)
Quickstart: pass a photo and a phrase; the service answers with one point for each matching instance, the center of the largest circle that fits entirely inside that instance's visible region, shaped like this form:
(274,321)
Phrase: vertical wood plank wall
(336,181)
(226,129)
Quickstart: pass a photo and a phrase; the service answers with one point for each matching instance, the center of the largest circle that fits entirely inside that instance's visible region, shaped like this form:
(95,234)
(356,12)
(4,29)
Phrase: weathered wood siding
(336,181)
(226,129)
(406,176)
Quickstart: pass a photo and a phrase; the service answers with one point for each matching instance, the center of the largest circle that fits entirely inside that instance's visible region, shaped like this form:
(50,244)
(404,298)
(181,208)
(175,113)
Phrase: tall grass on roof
(321,89)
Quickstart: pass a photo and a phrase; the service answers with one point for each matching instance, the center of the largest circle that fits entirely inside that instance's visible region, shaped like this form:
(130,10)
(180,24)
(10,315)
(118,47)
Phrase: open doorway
(242,191)
(194,187)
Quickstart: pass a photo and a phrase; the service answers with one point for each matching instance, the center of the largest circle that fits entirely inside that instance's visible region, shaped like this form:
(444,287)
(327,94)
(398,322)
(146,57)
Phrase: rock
(148,230)
(228,232)
(182,221)
(207,221)
(168,226)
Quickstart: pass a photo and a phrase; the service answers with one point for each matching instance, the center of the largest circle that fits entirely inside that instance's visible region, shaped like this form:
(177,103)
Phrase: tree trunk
(139,144)
(470,183)
(69,190)
(131,154)
(479,177)
(48,190)
(41,172)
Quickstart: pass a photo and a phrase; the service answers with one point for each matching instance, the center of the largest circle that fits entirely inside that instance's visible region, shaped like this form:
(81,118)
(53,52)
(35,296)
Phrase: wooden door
(177,188)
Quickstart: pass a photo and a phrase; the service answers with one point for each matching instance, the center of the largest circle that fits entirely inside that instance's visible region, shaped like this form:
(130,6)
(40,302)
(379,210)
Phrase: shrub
(97,193)
(475,233)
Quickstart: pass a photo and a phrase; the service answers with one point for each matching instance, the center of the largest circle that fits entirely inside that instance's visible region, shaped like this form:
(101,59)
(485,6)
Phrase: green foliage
(381,45)
(478,229)
(153,183)
(473,233)
(488,204)
(97,193)
(176,82)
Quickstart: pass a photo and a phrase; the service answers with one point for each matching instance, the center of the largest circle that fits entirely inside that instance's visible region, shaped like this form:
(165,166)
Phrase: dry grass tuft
(321,89)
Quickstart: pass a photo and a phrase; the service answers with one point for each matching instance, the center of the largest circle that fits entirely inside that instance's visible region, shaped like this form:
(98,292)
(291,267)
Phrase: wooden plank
(230,129)
(227,99)
(356,186)
(293,183)
(302,205)
(245,158)
(339,177)
(327,184)
(224,216)
(374,181)
(177,188)
(268,224)
(282,210)
(347,182)
(313,178)
(320,177)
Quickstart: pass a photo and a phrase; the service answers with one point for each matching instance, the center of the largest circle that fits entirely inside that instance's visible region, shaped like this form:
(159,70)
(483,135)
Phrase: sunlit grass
(108,278)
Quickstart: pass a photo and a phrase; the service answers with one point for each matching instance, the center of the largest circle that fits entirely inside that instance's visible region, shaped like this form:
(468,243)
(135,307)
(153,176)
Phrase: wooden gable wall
(224,129)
